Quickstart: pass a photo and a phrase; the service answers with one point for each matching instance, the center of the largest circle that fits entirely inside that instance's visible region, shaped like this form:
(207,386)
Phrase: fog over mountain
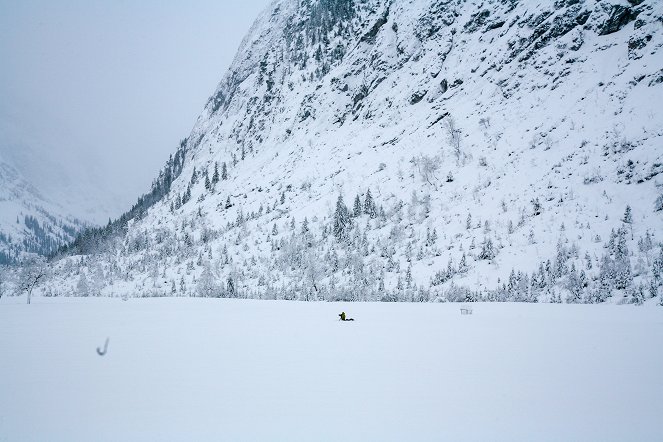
(95,95)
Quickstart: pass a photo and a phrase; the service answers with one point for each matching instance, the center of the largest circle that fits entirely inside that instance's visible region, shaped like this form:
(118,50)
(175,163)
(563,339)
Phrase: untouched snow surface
(184,369)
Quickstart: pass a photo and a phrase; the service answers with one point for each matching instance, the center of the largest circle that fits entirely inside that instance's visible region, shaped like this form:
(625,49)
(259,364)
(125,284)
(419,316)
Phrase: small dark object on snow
(343,317)
(101,352)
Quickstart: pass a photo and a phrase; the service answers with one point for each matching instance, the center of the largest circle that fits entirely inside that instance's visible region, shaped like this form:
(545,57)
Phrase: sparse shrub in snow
(618,146)
(483,162)
(657,268)
(521,219)
(408,276)
(555,298)
(422,295)
(487,249)
(607,276)
(575,286)
(454,137)
(370,208)
(206,285)
(462,265)
(82,288)
(622,263)
(547,142)
(646,243)
(427,167)
(658,204)
(356,207)
(431,237)
(530,237)
(459,294)
(230,287)
(638,295)
(536,206)
(443,276)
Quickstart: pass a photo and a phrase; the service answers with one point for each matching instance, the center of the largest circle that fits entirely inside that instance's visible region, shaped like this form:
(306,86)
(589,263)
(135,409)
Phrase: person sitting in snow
(343,317)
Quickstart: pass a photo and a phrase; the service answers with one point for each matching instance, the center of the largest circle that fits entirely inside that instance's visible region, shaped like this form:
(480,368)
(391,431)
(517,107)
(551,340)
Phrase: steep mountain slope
(30,224)
(500,141)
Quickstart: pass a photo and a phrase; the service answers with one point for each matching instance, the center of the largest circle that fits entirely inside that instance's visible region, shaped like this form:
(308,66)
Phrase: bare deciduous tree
(428,167)
(31,274)
(454,136)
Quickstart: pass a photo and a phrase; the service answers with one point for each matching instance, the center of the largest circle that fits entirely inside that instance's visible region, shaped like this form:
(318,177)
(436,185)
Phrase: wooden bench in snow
(465,311)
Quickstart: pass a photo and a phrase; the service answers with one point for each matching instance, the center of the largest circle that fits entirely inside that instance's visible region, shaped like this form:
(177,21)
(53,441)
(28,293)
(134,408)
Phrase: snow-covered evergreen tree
(357,209)
(342,221)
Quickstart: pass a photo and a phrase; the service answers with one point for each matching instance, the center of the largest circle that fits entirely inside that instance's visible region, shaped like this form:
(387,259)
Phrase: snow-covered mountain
(411,150)
(29,223)
(52,187)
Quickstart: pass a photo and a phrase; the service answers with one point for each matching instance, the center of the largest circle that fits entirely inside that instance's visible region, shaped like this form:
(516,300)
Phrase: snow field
(203,369)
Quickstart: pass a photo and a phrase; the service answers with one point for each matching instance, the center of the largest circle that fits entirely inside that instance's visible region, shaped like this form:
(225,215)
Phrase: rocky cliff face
(489,148)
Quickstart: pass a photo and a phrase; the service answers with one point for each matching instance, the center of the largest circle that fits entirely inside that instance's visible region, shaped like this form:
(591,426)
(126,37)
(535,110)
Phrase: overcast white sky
(115,83)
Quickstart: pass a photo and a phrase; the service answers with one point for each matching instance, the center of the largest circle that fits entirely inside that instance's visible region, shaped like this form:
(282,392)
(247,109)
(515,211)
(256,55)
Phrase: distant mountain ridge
(29,223)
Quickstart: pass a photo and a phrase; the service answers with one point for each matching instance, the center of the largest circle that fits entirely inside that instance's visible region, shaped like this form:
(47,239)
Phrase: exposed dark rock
(359,96)
(547,31)
(577,43)
(444,86)
(477,21)
(304,115)
(369,37)
(636,43)
(494,25)
(562,3)
(536,21)
(639,23)
(560,26)
(582,18)
(438,119)
(442,14)
(620,16)
(417,97)
(658,78)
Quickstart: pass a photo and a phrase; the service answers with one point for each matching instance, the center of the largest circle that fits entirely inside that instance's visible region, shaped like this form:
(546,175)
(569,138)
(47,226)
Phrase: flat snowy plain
(201,369)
